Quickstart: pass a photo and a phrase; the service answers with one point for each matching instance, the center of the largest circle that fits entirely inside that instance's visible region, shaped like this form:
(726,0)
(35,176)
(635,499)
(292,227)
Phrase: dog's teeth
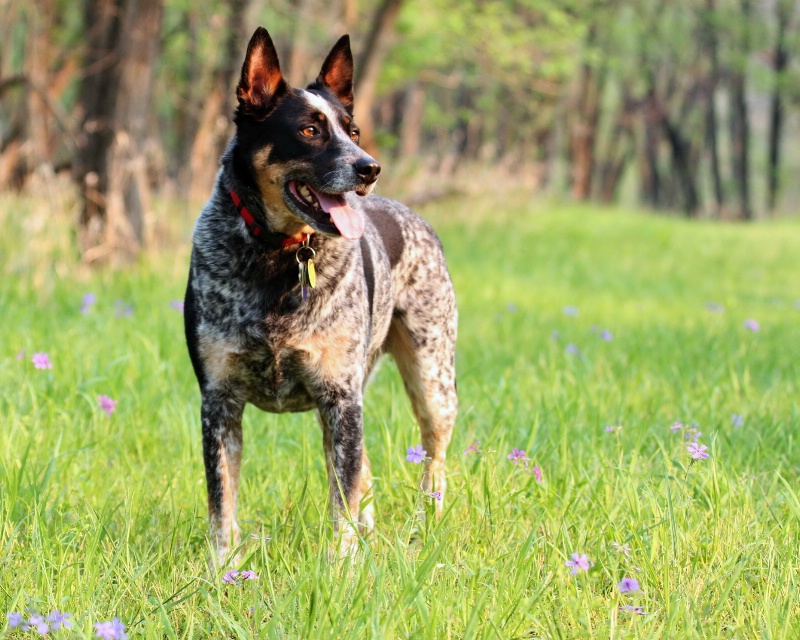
(304,191)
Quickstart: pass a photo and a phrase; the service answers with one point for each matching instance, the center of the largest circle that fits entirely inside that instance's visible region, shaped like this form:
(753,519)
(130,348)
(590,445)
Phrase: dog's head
(300,146)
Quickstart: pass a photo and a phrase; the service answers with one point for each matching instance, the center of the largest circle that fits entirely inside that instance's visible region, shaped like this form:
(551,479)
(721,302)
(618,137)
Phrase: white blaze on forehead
(325,107)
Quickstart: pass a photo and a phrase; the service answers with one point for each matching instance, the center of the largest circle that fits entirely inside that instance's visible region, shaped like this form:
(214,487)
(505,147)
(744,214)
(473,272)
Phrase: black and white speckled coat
(253,338)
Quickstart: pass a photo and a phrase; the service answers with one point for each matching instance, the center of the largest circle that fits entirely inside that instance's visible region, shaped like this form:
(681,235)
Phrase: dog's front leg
(222,454)
(341,418)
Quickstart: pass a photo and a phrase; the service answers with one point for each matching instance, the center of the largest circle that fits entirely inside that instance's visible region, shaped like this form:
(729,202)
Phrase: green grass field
(104,516)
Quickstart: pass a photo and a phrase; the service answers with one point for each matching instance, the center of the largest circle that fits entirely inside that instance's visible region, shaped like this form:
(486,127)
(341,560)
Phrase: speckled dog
(300,281)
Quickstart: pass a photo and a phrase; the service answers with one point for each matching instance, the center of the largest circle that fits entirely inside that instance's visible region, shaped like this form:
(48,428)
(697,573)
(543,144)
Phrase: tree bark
(368,70)
(213,130)
(780,62)
(111,163)
(739,121)
(710,31)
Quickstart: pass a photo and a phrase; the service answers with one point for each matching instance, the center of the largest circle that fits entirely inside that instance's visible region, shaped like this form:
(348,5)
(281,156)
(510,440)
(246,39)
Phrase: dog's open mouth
(329,212)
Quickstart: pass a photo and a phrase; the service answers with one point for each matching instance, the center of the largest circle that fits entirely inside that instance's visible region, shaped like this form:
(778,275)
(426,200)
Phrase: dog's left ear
(337,73)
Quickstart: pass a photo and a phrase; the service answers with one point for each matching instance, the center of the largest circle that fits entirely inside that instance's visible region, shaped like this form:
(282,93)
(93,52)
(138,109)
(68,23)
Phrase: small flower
(249,575)
(122,310)
(697,450)
(516,455)
(605,334)
(677,426)
(436,495)
(752,325)
(537,473)
(555,335)
(631,609)
(622,548)
(511,307)
(570,311)
(628,585)
(416,454)
(238,577)
(58,620)
(737,420)
(715,307)
(41,361)
(230,577)
(114,630)
(87,303)
(694,435)
(21,355)
(572,349)
(38,622)
(579,562)
(177,305)
(612,428)
(16,620)
(473,448)
(107,404)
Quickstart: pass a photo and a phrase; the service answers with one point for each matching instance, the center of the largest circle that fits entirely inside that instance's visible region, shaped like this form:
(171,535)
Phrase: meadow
(585,335)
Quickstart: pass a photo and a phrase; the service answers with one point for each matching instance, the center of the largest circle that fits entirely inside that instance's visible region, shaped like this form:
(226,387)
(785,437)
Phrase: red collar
(260,232)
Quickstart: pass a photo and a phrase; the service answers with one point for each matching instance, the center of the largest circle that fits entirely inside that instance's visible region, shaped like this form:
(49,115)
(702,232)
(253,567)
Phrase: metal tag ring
(299,259)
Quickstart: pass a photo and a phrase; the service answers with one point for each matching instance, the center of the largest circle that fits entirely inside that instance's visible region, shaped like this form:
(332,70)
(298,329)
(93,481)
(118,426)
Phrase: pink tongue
(348,221)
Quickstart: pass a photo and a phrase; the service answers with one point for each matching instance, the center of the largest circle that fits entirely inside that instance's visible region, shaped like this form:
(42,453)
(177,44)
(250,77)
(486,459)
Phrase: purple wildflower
(555,335)
(715,307)
(436,495)
(416,454)
(16,620)
(737,420)
(58,620)
(87,303)
(697,450)
(611,428)
(537,473)
(511,307)
(230,577)
(628,585)
(570,311)
(21,355)
(114,630)
(622,548)
(39,624)
(122,310)
(473,448)
(249,575)
(677,426)
(752,325)
(107,404)
(41,361)
(605,334)
(177,305)
(631,609)
(579,562)
(516,455)
(237,577)
(572,349)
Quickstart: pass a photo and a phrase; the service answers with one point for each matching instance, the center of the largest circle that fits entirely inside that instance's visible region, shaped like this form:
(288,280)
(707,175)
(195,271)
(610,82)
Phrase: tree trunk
(214,130)
(583,134)
(780,62)
(740,126)
(116,98)
(368,70)
(710,31)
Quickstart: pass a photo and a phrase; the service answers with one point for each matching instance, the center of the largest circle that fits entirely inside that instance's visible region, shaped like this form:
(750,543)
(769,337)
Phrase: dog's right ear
(262,81)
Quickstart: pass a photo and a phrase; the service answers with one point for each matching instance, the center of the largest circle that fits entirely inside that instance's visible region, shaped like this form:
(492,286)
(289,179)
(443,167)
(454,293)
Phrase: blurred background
(690,107)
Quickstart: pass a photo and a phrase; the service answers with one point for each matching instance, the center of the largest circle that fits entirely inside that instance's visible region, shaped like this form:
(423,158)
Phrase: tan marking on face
(270,178)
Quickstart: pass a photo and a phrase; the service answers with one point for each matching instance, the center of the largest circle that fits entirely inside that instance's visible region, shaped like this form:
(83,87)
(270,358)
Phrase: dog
(300,280)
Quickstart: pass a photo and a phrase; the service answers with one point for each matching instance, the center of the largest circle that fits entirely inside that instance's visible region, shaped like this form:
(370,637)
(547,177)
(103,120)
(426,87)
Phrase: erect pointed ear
(262,81)
(337,73)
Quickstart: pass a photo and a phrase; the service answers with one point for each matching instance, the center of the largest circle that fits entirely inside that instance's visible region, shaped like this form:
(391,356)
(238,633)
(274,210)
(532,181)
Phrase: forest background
(688,106)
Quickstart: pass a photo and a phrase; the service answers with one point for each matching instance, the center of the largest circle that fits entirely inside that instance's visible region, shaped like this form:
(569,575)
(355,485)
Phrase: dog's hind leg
(425,355)
(222,453)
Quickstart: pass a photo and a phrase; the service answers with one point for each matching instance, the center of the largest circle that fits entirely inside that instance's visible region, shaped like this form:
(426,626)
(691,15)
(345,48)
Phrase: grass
(105,517)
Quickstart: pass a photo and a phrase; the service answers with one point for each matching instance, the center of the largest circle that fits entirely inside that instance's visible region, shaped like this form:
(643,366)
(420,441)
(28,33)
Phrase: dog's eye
(309,132)
(354,135)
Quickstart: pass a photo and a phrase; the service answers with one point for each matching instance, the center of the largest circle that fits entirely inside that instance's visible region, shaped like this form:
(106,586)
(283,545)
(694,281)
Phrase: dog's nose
(368,169)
